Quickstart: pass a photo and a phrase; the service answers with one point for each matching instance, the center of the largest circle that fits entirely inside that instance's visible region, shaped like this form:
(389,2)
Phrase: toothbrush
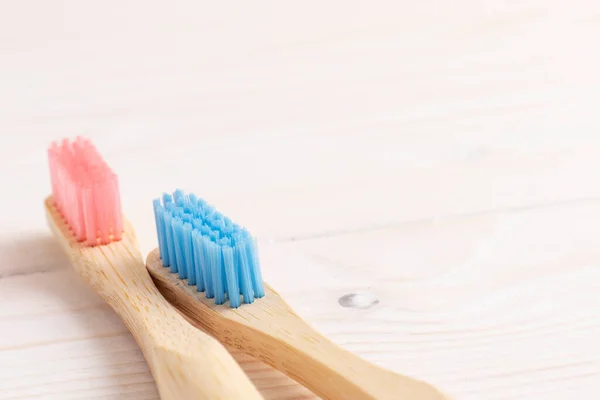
(200,250)
(84,213)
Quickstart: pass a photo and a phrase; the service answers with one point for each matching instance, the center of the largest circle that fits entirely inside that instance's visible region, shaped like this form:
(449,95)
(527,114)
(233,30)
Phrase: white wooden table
(444,158)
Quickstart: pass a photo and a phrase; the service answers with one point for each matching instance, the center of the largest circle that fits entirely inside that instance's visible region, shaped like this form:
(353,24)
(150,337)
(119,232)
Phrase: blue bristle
(217,275)
(202,203)
(224,276)
(178,242)
(235,238)
(178,195)
(218,225)
(212,250)
(200,212)
(193,203)
(217,217)
(208,249)
(241,258)
(170,242)
(209,211)
(196,238)
(216,271)
(230,275)
(188,254)
(197,224)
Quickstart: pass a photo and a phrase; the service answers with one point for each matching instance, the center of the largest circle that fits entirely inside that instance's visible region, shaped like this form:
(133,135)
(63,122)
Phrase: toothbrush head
(207,249)
(85,192)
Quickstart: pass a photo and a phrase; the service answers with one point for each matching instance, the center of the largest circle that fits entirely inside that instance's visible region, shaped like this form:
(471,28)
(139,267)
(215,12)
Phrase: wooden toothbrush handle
(188,364)
(334,373)
(185,362)
(207,373)
(271,331)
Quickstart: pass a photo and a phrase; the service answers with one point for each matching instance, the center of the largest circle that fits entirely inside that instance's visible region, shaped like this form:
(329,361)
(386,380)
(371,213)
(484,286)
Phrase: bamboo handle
(185,362)
(343,375)
(271,331)
(210,374)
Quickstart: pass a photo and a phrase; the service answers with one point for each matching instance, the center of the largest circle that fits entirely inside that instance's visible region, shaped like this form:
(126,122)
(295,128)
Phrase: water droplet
(360,300)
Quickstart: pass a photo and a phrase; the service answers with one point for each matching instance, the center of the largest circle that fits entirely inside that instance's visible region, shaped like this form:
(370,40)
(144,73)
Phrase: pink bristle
(80,213)
(85,191)
(89,214)
(103,189)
